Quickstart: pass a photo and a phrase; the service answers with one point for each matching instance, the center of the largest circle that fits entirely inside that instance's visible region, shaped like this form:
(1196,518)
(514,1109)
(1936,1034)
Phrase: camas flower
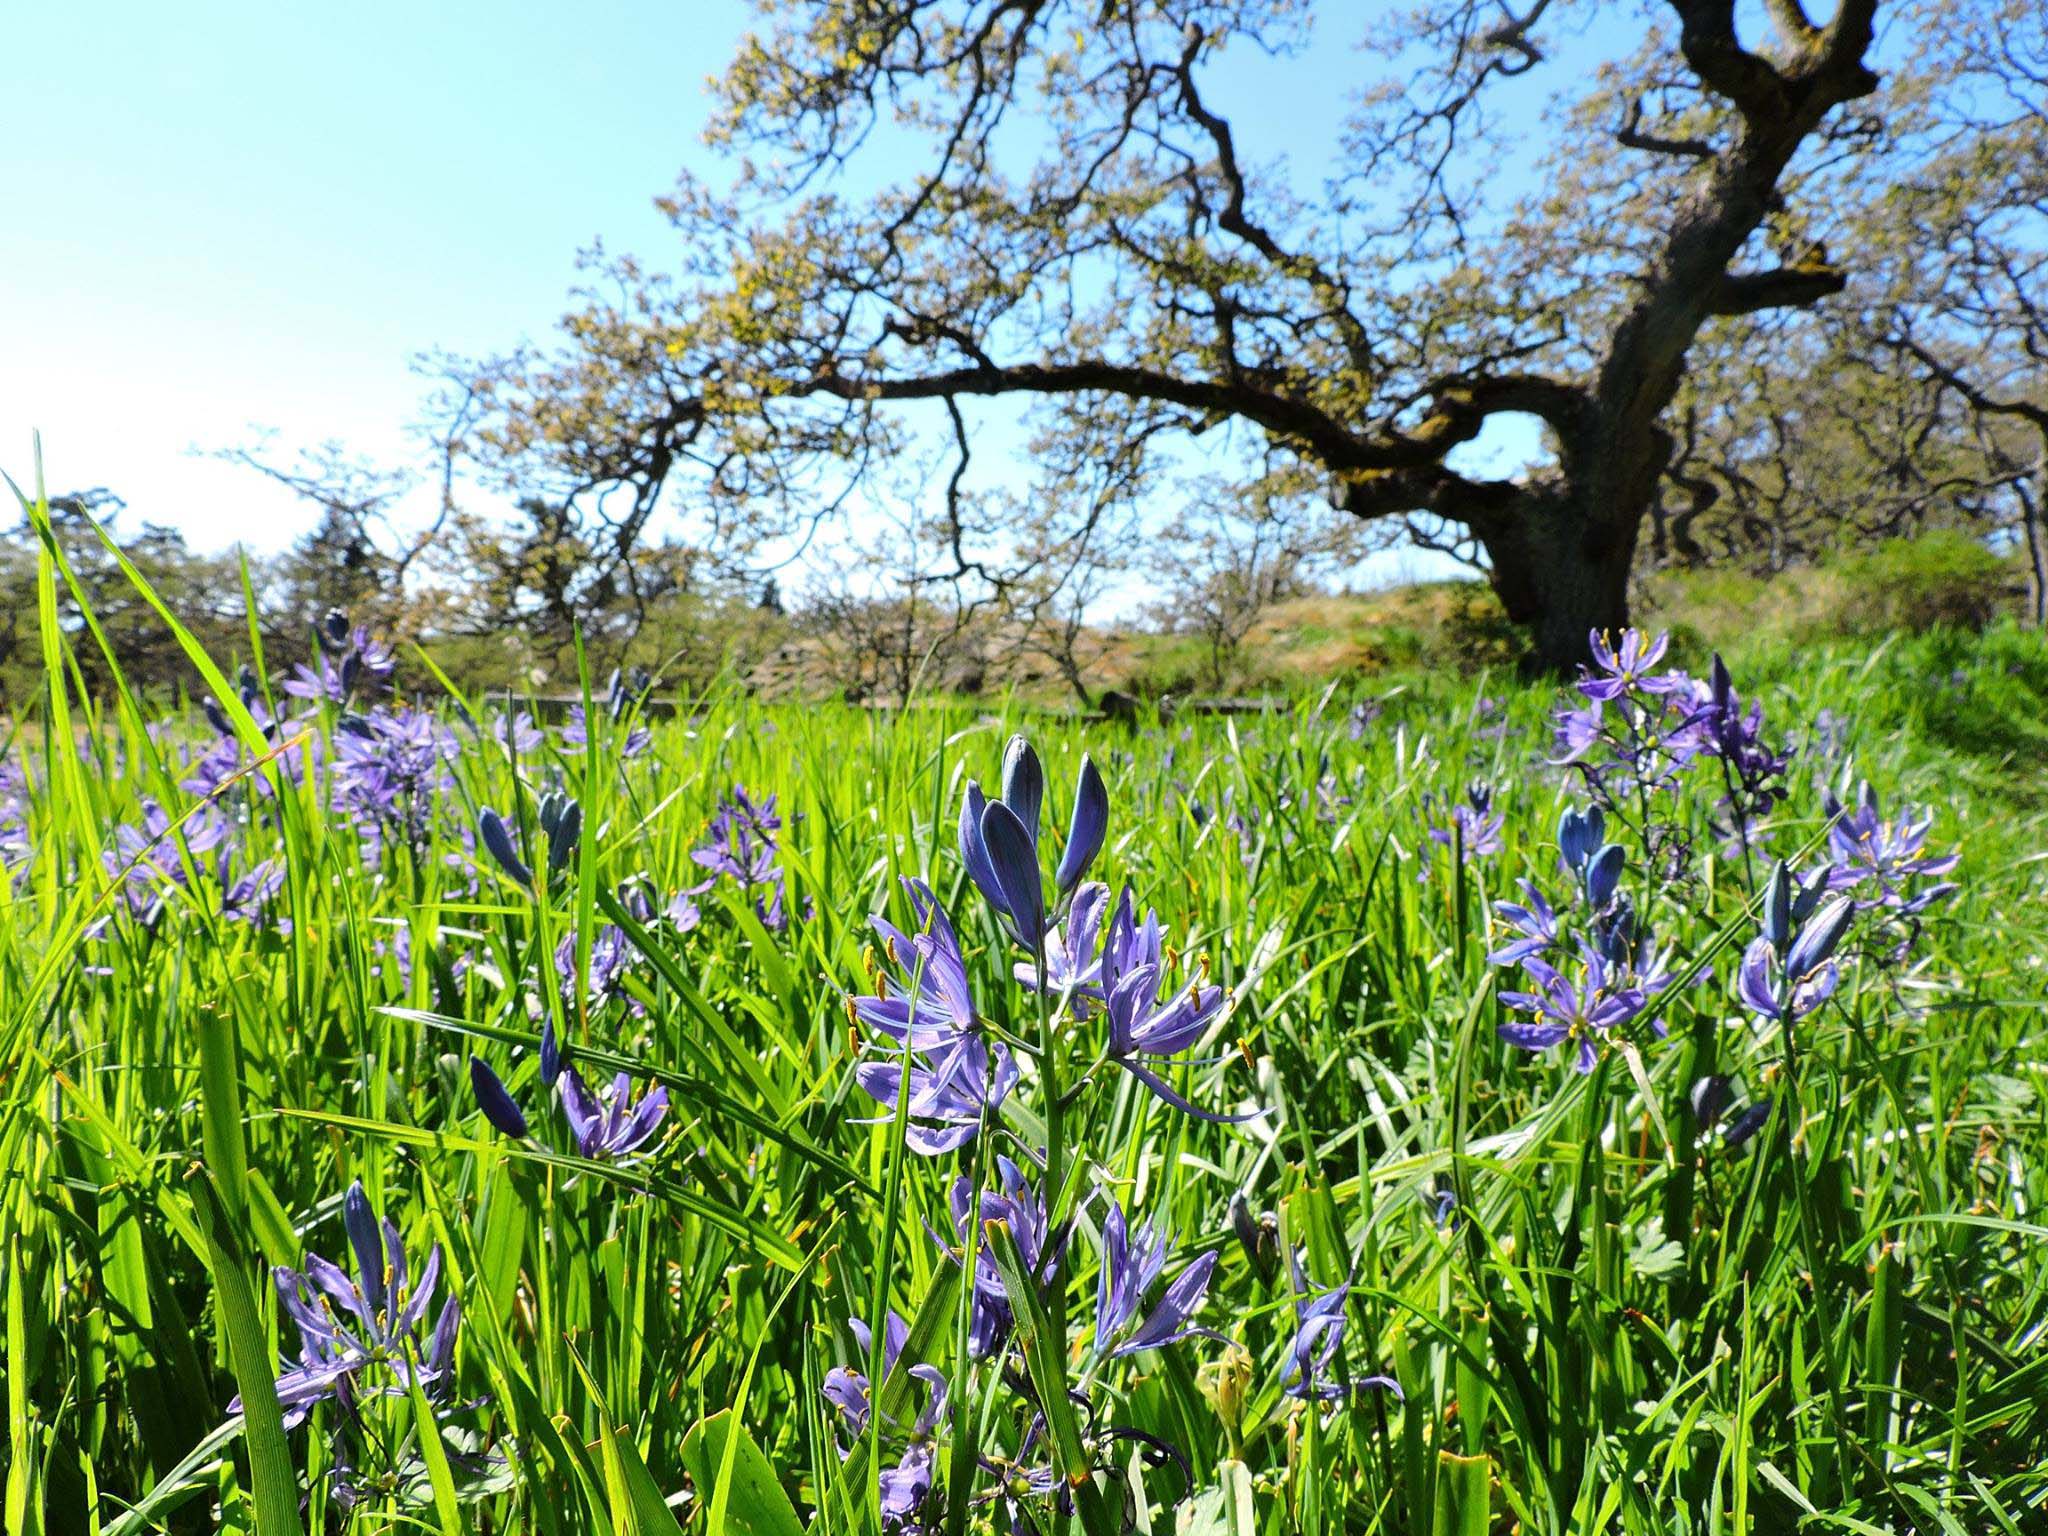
(146,857)
(1627,667)
(1012,1201)
(516,733)
(612,957)
(1073,962)
(575,732)
(15,843)
(846,1388)
(1870,850)
(957,1077)
(390,771)
(739,842)
(350,1328)
(1318,1335)
(1474,827)
(1532,919)
(1142,1022)
(609,1126)
(999,841)
(1583,1011)
(349,661)
(948,1100)
(1132,1263)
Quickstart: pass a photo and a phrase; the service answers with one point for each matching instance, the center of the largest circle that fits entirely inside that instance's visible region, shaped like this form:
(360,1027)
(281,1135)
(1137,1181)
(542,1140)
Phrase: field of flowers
(1468,1107)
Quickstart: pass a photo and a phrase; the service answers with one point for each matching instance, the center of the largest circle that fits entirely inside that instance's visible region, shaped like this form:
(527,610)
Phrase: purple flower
(1709,1098)
(390,771)
(15,843)
(248,897)
(146,858)
(1805,960)
(1073,966)
(1318,1335)
(1583,1011)
(1144,1021)
(950,1098)
(1760,988)
(1017,1205)
(846,1388)
(1628,667)
(1531,918)
(1868,849)
(575,731)
(1132,1263)
(740,840)
(926,1008)
(349,660)
(349,1326)
(516,733)
(613,1126)
(926,1004)
(612,957)
(1474,826)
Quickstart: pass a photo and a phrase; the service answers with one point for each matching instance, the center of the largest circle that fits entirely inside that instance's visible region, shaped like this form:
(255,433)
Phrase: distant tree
(204,591)
(1238,552)
(358,556)
(1083,231)
(1967,302)
(1795,443)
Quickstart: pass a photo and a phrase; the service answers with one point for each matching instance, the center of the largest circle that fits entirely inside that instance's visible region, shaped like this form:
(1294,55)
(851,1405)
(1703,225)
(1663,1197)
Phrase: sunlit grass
(1588,1345)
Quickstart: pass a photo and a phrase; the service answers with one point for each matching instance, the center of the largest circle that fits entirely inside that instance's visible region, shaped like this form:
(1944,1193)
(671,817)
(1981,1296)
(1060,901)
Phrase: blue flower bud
(218,719)
(492,832)
(1817,940)
(367,1240)
(1023,785)
(973,853)
(562,836)
(1747,1124)
(1603,873)
(550,1055)
(1778,908)
(1578,834)
(494,1100)
(1709,1099)
(1015,863)
(1086,830)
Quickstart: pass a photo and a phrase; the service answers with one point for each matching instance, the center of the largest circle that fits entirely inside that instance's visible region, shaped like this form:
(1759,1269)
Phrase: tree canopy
(937,202)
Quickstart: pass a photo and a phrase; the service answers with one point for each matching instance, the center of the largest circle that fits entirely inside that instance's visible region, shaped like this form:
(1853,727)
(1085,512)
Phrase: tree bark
(1560,564)
(2033,507)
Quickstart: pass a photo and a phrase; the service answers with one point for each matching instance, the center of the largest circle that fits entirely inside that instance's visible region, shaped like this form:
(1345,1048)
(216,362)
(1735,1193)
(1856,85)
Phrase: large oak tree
(939,202)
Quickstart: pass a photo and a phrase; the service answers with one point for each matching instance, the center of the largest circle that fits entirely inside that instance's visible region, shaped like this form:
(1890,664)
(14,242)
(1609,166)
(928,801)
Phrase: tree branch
(1794,287)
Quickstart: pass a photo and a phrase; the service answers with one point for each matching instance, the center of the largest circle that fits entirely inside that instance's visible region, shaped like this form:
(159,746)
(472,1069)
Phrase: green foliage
(1940,578)
(1593,1344)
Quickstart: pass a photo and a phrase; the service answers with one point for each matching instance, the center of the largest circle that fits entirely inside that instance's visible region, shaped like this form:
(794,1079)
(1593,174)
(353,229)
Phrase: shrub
(1940,578)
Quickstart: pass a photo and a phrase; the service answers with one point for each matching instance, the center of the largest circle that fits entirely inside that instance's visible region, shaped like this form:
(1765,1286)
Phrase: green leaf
(1045,1356)
(756,1504)
(274,1485)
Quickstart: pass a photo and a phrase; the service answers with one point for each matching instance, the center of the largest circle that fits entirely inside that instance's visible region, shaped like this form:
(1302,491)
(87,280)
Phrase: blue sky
(229,217)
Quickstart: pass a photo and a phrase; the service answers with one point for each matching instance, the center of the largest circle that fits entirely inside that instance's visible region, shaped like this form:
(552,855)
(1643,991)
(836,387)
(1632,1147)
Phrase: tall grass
(1619,1326)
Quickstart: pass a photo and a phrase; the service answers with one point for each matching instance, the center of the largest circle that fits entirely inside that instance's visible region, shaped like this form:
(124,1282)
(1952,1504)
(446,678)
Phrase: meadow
(419,1116)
